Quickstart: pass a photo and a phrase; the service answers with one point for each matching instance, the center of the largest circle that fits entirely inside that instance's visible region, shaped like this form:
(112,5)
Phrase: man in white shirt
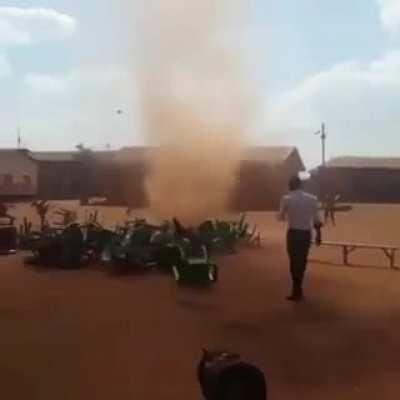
(300,209)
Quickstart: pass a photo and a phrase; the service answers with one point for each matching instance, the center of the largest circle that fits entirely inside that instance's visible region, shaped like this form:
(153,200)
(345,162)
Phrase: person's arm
(317,224)
(282,210)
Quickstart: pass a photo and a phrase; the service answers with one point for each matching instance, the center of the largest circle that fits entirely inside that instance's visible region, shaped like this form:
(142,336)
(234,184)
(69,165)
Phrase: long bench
(347,248)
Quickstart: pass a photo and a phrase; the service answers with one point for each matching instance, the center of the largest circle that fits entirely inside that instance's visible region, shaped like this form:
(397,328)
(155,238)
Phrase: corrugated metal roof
(61,156)
(134,153)
(70,156)
(9,150)
(269,154)
(274,155)
(364,162)
(104,156)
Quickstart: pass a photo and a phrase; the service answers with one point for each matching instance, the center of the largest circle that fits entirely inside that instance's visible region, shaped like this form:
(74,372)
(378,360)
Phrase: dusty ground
(87,335)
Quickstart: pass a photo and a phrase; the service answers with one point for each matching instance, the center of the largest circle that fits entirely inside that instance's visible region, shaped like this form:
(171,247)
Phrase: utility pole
(323,141)
(18,137)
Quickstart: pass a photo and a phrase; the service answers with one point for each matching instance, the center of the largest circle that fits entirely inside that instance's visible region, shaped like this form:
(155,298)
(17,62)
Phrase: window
(27,180)
(8,180)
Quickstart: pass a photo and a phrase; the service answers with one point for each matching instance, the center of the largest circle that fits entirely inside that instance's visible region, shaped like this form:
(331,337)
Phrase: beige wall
(17,164)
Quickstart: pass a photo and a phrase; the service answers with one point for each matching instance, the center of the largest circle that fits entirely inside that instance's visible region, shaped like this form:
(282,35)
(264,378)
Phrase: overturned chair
(194,267)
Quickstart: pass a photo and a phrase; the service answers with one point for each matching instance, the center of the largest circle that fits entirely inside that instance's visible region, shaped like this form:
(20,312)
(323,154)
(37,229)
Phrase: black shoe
(295,298)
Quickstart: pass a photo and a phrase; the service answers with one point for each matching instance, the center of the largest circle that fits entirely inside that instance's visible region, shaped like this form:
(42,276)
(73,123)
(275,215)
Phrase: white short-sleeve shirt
(300,209)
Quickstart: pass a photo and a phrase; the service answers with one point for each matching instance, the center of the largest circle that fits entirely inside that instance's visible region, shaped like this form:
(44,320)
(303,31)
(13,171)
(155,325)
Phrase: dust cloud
(195,103)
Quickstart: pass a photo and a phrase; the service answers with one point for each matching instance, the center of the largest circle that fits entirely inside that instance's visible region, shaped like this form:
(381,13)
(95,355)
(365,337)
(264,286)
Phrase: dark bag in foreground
(225,376)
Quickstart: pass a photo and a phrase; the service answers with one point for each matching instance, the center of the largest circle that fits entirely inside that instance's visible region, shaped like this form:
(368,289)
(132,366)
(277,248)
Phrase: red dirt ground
(88,335)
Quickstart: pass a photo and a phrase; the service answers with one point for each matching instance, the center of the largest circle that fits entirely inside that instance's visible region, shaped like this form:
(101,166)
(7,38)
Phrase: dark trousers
(330,213)
(298,247)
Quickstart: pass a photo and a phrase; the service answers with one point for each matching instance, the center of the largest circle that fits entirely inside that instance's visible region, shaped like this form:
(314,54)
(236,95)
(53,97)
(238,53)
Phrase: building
(264,174)
(120,176)
(18,174)
(25,175)
(361,179)
(262,177)
(61,175)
